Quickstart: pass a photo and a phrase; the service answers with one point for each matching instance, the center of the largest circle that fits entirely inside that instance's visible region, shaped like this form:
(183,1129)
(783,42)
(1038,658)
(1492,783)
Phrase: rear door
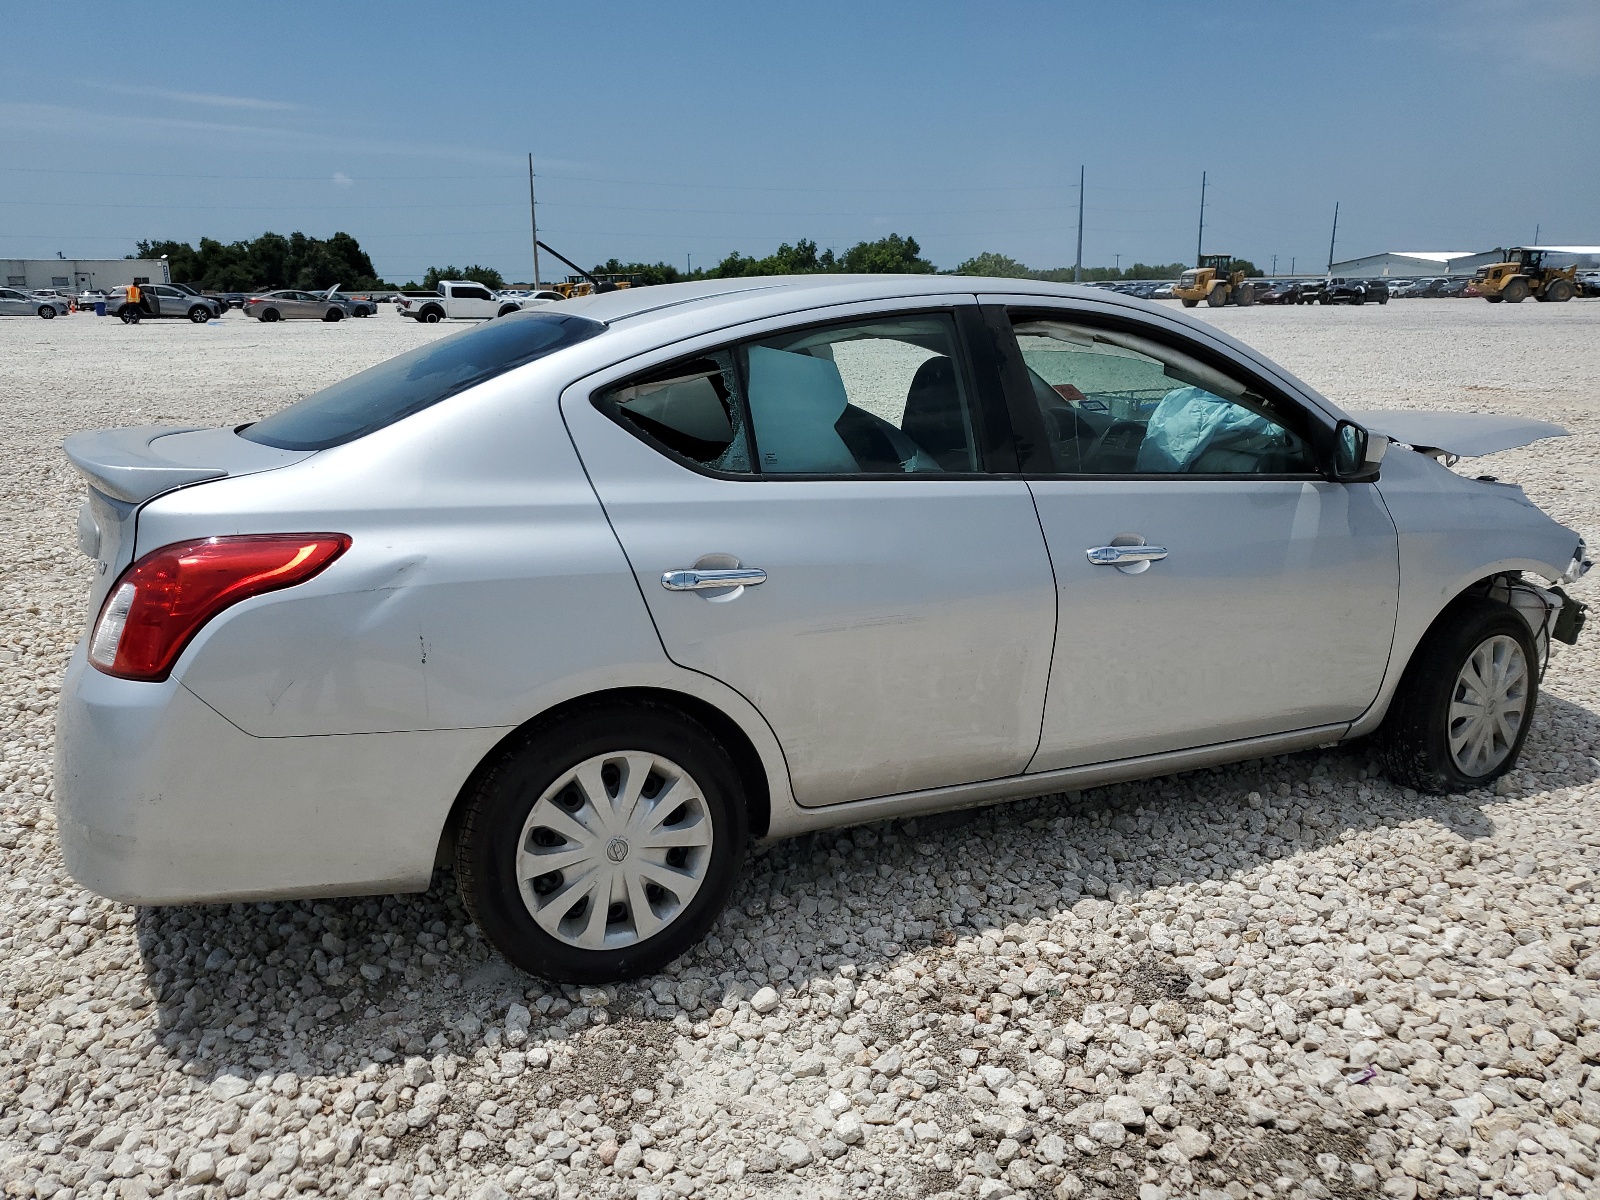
(895,612)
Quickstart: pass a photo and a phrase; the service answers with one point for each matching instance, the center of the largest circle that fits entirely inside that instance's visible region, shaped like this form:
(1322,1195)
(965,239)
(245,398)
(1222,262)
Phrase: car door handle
(692,580)
(1117,556)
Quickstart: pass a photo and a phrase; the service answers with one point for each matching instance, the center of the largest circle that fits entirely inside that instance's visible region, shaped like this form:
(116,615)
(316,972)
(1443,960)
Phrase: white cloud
(340,179)
(209,99)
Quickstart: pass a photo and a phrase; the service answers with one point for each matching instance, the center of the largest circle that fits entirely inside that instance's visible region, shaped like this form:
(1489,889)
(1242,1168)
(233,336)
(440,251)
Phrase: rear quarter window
(419,379)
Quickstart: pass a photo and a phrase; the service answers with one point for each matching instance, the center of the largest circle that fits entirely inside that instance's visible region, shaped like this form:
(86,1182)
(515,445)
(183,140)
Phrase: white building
(81,274)
(1586,258)
(1414,264)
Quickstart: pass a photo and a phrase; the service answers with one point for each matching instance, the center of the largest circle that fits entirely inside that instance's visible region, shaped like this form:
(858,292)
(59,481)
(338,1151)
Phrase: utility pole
(1291,264)
(1119,264)
(1077,269)
(533,219)
(1274,266)
(1334,236)
(688,264)
(1200,241)
(1536,229)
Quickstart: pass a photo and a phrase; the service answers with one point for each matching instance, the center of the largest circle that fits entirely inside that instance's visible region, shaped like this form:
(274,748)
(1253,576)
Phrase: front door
(1213,584)
(896,629)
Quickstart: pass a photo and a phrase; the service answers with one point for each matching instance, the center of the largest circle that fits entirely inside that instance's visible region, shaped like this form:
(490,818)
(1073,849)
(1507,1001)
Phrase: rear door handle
(702,579)
(1118,556)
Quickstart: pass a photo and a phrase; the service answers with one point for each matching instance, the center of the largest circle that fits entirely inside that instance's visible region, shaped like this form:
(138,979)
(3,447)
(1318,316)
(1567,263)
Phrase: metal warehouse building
(78,274)
(1414,264)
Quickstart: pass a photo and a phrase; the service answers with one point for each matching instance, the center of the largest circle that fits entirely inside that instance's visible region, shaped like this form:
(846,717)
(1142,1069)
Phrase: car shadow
(331,987)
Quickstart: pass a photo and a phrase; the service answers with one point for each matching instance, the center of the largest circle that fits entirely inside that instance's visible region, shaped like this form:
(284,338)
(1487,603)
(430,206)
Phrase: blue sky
(667,130)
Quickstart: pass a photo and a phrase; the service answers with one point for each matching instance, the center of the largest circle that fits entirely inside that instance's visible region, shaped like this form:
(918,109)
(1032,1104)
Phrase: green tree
(269,261)
(488,276)
(643,274)
(892,255)
(994,266)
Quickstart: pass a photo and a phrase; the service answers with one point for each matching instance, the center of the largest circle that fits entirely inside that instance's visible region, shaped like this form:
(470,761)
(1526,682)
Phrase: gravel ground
(1285,977)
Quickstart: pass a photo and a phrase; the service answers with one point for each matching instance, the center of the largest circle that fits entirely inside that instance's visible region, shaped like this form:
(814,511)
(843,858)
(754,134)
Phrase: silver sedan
(17,303)
(583,599)
(289,304)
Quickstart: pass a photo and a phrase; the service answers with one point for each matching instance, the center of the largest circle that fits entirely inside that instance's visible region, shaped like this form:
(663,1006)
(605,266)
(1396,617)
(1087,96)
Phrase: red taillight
(161,601)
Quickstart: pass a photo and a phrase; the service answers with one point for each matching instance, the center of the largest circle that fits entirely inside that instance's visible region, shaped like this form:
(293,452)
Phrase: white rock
(765,1000)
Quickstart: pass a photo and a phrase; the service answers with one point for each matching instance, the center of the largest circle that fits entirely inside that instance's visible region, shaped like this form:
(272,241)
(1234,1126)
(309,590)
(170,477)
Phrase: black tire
(1188,303)
(1414,738)
(1245,296)
(1558,291)
(271,314)
(1494,299)
(333,314)
(507,789)
(1515,292)
(129,314)
(47,311)
(199,315)
(1217,297)
(508,310)
(430,316)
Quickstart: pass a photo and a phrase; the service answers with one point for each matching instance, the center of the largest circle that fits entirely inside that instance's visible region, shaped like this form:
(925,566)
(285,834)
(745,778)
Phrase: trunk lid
(127,467)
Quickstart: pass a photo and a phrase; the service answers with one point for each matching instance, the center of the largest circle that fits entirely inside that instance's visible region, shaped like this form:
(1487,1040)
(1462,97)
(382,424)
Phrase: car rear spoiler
(137,463)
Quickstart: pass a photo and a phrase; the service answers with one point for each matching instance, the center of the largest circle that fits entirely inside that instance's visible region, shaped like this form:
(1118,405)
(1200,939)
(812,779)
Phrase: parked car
(163,300)
(14,302)
(233,299)
(1589,283)
(1163,291)
(1354,291)
(1285,291)
(290,304)
(585,597)
(89,297)
(1453,288)
(356,306)
(456,299)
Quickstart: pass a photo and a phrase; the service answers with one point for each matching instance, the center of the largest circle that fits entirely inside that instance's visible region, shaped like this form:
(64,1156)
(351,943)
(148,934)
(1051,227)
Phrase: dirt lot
(1286,977)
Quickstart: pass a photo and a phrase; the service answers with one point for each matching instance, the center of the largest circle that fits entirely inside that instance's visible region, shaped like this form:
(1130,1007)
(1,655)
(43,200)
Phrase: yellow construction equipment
(588,287)
(1525,274)
(1216,282)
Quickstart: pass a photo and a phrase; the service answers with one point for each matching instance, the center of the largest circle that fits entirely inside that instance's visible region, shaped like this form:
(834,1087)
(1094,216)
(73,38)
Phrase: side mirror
(1357,453)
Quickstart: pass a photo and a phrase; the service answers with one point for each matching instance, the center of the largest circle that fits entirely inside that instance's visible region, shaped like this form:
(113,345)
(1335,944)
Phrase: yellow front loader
(1525,274)
(1214,281)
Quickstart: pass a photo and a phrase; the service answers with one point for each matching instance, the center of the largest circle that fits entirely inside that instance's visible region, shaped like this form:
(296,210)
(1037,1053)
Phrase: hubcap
(614,850)
(1488,705)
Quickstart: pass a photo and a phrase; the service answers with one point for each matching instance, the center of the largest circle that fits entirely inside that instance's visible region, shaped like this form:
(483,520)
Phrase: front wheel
(199,315)
(1515,292)
(333,314)
(508,310)
(48,313)
(1216,297)
(1465,704)
(1189,303)
(604,845)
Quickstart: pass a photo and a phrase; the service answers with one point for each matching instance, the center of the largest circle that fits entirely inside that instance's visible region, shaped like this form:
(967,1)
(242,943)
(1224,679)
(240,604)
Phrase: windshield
(418,379)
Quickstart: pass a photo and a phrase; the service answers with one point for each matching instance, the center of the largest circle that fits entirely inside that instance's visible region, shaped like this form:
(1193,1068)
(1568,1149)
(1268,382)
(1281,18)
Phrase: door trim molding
(1044,783)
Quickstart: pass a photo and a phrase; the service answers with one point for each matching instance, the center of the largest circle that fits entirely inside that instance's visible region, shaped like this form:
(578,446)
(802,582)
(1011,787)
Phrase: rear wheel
(129,314)
(602,846)
(431,316)
(1558,291)
(1464,706)
(1217,297)
(1245,296)
(271,314)
(1515,292)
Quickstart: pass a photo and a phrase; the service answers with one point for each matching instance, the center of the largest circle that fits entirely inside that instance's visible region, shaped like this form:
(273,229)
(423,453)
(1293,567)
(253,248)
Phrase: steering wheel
(1120,438)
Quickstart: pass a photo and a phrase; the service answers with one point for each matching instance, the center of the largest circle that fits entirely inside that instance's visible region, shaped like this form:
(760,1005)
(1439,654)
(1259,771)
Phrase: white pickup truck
(458,299)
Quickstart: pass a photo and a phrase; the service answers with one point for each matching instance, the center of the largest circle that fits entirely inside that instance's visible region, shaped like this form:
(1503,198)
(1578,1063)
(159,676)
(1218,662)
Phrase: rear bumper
(160,800)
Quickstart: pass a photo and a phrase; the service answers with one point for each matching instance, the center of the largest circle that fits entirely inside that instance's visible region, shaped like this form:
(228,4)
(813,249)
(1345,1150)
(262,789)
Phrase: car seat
(935,419)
